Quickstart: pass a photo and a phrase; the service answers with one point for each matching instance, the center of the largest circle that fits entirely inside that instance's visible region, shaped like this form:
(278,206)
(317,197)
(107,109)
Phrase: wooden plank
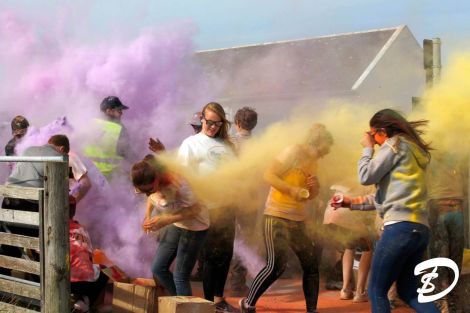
(21,265)
(19,217)
(41,244)
(20,280)
(12,191)
(20,289)
(56,234)
(6,307)
(19,241)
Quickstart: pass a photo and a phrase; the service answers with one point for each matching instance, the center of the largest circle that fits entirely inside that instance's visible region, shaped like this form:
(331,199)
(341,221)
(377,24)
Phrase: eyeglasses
(211,123)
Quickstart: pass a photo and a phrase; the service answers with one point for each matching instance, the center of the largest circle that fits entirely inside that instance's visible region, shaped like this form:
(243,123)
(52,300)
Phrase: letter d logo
(428,287)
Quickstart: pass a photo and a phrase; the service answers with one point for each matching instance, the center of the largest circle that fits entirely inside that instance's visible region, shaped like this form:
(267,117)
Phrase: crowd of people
(195,232)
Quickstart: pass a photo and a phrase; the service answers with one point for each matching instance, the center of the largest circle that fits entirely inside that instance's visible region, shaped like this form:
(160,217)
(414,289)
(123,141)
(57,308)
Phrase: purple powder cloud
(45,74)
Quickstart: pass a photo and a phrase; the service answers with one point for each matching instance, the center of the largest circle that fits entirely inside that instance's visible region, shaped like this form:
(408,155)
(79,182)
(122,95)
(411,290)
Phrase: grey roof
(331,64)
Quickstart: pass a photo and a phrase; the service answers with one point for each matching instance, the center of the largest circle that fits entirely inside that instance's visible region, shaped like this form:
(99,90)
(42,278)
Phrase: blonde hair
(223,130)
(318,134)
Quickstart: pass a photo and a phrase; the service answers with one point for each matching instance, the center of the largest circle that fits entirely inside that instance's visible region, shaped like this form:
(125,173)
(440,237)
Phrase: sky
(219,24)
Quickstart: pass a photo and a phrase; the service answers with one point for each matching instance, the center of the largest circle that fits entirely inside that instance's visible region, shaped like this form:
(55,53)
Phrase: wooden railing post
(56,239)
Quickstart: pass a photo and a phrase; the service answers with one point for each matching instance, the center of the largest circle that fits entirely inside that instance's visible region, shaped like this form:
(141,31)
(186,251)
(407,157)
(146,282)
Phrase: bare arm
(273,177)
(313,186)
(85,185)
(149,209)
(360,203)
(184,214)
(157,222)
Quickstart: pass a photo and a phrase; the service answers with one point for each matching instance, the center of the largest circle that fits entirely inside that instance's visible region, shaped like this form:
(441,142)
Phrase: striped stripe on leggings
(279,235)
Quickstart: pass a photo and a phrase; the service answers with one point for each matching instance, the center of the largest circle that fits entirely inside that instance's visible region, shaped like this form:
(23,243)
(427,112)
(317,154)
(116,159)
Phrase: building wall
(398,76)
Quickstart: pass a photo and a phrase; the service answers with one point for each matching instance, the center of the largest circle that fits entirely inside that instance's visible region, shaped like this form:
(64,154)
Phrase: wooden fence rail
(52,245)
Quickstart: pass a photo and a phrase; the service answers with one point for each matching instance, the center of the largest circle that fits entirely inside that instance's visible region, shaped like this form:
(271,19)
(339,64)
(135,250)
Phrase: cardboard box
(185,305)
(108,268)
(130,298)
(115,274)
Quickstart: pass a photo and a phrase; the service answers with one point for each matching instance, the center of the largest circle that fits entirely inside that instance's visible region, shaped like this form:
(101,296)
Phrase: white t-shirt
(78,170)
(204,154)
(178,197)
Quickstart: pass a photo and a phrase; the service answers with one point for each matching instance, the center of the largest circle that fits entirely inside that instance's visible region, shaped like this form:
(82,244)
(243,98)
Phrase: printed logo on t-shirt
(216,153)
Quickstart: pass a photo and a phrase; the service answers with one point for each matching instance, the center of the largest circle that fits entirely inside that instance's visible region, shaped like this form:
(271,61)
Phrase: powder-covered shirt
(398,170)
(78,170)
(445,177)
(239,139)
(204,154)
(281,204)
(31,174)
(177,197)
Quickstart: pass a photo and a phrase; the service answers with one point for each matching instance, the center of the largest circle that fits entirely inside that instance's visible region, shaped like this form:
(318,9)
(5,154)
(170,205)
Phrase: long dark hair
(393,123)
(146,171)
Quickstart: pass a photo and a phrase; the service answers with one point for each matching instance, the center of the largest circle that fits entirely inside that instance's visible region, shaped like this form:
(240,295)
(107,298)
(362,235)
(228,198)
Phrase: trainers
(346,294)
(82,305)
(223,307)
(360,297)
(244,308)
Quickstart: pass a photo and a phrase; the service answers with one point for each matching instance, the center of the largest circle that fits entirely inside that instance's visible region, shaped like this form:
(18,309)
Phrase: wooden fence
(51,294)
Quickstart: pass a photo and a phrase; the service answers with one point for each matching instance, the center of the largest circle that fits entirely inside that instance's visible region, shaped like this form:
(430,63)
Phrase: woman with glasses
(185,223)
(205,152)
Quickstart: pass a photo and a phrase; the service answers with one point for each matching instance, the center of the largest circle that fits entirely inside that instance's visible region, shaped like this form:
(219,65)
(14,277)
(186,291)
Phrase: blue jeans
(183,245)
(398,251)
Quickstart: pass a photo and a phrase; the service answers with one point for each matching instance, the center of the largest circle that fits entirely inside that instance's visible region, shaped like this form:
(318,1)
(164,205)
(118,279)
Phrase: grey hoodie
(398,171)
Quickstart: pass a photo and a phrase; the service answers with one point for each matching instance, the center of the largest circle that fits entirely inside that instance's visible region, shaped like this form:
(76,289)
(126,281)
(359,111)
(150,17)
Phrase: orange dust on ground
(286,296)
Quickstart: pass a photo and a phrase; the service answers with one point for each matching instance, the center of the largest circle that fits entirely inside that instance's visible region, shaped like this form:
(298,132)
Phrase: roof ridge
(378,57)
(303,39)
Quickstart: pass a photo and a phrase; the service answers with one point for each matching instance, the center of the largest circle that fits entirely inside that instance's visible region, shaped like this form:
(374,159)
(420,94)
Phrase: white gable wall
(397,76)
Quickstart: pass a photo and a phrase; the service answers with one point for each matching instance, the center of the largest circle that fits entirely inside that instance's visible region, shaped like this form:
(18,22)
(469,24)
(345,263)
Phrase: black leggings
(91,289)
(279,235)
(217,252)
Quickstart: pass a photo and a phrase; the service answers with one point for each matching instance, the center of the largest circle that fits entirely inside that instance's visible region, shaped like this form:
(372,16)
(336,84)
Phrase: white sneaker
(82,305)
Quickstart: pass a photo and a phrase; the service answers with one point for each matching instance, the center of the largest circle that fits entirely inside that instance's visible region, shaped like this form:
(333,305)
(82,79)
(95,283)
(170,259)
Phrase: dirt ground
(286,296)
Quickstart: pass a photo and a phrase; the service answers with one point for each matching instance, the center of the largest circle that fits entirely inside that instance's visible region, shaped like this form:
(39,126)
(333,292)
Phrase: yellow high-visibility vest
(103,152)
